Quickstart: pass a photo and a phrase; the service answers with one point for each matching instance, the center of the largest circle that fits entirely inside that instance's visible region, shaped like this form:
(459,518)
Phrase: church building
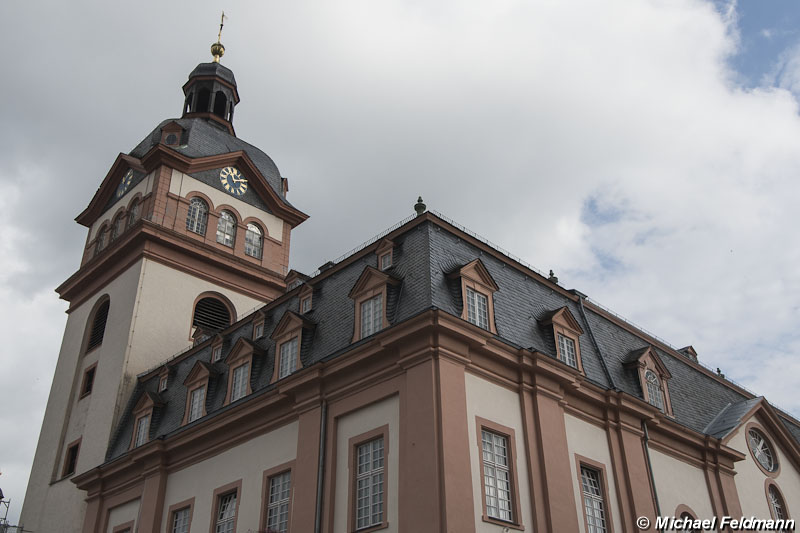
(427,382)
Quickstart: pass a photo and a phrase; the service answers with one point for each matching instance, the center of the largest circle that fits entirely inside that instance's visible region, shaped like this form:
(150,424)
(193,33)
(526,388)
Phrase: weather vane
(217,50)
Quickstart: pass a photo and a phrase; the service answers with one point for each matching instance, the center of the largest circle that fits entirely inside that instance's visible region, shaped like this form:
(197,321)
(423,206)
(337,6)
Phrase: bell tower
(187,232)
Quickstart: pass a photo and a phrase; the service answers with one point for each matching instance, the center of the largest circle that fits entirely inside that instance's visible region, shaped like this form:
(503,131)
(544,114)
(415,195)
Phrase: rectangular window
(240,376)
(258,331)
(593,504)
(288,362)
(180,521)
(71,459)
(226,513)
(142,430)
(305,306)
(280,493)
(162,385)
(198,398)
(217,353)
(88,381)
(497,476)
(371,316)
(477,308)
(386,261)
(369,484)
(566,350)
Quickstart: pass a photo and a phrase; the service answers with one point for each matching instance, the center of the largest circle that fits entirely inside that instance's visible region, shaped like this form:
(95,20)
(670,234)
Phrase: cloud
(609,142)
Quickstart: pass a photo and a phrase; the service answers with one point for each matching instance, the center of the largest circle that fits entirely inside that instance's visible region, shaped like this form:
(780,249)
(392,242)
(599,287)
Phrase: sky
(648,152)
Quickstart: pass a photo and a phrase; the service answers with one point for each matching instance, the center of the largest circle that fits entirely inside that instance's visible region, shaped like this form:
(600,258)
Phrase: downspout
(645,439)
(323,427)
(581,297)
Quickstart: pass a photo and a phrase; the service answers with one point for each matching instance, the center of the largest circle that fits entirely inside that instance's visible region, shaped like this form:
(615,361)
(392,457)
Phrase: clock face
(125,183)
(233,181)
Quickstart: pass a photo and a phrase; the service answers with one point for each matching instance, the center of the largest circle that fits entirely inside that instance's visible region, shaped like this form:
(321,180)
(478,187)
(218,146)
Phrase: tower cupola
(211,90)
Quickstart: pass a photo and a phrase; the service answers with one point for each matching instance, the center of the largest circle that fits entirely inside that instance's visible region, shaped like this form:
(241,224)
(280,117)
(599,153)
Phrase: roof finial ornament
(419,207)
(217,50)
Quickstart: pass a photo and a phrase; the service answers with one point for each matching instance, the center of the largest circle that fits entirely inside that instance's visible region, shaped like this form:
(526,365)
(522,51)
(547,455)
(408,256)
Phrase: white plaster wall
(499,405)
(123,513)
(143,187)
(182,184)
(247,462)
(591,442)
(89,417)
(678,483)
(355,423)
(750,479)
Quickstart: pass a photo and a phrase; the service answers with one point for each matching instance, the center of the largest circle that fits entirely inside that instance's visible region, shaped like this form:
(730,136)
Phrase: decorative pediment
(307,290)
(147,400)
(370,278)
(477,272)
(200,371)
(383,246)
(640,358)
(289,322)
(160,155)
(294,278)
(241,350)
(564,318)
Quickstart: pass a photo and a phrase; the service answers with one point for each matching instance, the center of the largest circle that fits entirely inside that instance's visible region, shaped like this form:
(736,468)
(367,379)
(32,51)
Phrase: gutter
(645,440)
(323,428)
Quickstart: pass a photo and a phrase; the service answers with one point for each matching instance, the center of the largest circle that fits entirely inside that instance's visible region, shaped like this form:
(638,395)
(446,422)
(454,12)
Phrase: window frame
(482,424)
(76,445)
(600,468)
(758,428)
(770,484)
(87,381)
(199,220)
(560,334)
(190,402)
(266,477)
(148,416)
(279,356)
(352,460)
(476,277)
(231,225)
(90,323)
(381,257)
(370,283)
(177,507)
(246,381)
(655,401)
(127,527)
(381,314)
(248,244)
(163,382)
(473,300)
(216,499)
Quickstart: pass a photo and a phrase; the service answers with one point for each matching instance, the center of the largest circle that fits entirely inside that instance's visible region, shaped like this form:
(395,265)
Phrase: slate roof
(202,137)
(214,69)
(423,254)
(730,417)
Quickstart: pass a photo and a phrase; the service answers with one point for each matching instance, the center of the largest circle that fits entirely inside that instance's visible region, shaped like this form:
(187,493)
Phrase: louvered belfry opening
(98,326)
(210,314)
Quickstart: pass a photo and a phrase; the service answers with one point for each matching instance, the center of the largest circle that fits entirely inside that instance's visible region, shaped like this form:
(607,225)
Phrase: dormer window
(371,295)
(305,304)
(654,395)
(197,384)
(566,350)
(653,377)
(288,337)
(384,253)
(306,295)
(288,358)
(477,308)
(162,384)
(477,290)
(217,353)
(240,362)
(566,332)
(143,416)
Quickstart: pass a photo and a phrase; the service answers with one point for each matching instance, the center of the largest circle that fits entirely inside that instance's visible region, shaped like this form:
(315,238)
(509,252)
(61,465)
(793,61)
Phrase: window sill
(498,522)
(372,528)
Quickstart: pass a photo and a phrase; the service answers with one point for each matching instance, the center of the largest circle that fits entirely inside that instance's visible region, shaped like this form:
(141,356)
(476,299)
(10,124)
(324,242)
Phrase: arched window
(98,326)
(188,106)
(226,229)
(253,241)
(203,99)
(197,218)
(776,504)
(102,240)
(133,215)
(654,394)
(220,104)
(211,314)
(118,227)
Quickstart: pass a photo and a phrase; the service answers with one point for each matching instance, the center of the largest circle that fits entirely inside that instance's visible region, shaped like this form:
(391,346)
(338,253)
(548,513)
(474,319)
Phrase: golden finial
(217,50)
